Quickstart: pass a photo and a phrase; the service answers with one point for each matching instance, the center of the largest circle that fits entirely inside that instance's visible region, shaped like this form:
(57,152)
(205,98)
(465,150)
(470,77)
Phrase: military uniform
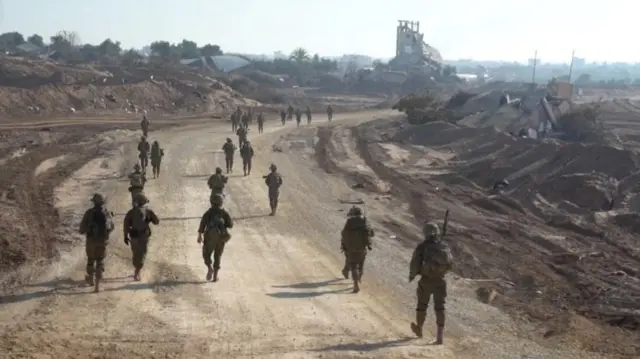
(242,135)
(431,260)
(273,181)
(156,158)
(329,113)
(144,125)
(260,123)
(217,182)
(356,240)
(298,116)
(137,231)
(283,117)
(246,151)
(229,150)
(143,152)
(96,225)
(308,112)
(137,181)
(214,225)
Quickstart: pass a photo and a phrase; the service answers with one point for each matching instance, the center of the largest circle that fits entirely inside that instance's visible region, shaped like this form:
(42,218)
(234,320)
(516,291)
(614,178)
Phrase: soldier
(143,152)
(290,112)
(246,152)
(431,260)
(260,122)
(234,121)
(246,118)
(229,150)
(137,231)
(283,117)
(308,113)
(156,157)
(298,116)
(329,112)
(273,181)
(217,182)
(242,135)
(96,224)
(144,125)
(356,239)
(137,180)
(215,225)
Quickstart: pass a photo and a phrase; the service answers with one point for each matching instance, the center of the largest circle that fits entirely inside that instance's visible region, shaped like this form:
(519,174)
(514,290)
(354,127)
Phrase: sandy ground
(280,294)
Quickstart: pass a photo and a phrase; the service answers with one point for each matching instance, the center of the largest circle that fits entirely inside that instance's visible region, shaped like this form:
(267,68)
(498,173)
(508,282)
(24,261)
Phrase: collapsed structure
(412,53)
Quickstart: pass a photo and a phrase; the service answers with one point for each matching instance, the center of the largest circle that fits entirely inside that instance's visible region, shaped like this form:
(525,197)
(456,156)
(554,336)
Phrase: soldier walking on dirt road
(137,180)
(156,158)
(283,117)
(235,120)
(214,225)
(242,135)
(290,112)
(356,240)
(260,120)
(217,182)
(96,225)
(274,181)
(229,150)
(137,231)
(143,152)
(308,113)
(246,152)
(431,260)
(298,116)
(329,112)
(144,125)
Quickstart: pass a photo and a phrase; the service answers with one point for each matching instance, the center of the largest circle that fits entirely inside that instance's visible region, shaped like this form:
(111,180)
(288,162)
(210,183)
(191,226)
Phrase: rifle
(446,222)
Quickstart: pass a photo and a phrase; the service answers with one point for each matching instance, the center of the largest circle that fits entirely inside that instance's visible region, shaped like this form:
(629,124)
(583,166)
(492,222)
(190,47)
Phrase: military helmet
(216,199)
(218,170)
(247,143)
(273,167)
(228,139)
(97,198)
(354,212)
(141,199)
(143,138)
(430,229)
(136,167)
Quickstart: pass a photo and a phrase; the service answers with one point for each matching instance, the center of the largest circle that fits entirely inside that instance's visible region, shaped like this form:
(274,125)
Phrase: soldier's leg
(217,255)
(158,167)
(90,249)
(231,163)
(226,163)
(345,269)
(139,248)
(244,166)
(207,250)
(439,296)
(100,255)
(355,275)
(361,267)
(249,166)
(423,293)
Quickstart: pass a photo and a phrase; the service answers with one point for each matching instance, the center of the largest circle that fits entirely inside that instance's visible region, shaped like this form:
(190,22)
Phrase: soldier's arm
(210,182)
(153,217)
(84,223)
(203,222)
(126,225)
(111,225)
(228,221)
(416,261)
(266,179)
(279,180)
(251,152)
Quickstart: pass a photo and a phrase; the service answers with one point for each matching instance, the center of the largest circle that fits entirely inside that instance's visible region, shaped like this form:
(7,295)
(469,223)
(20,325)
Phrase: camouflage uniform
(260,122)
(298,116)
(229,150)
(235,120)
(246,151)
(96,239)
(246,118)
(290,111)
(308,113)
(144,125)
(329,112)
(156,158)
(431,260)
(283,117)
(137,231)
(217,182)
(135,187)
(143,152)
(242,135)
(273,181)
(356,240)
(214,224)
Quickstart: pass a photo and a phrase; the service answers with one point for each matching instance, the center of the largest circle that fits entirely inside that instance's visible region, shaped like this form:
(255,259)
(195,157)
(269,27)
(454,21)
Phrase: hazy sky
(478,29)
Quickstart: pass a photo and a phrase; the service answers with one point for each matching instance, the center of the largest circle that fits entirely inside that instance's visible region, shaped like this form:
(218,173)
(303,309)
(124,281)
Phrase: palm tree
(299,55)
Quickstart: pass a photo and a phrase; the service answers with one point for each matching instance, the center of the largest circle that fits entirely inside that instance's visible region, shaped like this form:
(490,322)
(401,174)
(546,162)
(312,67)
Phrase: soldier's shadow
(309,285)
(196,176)
(365,347)
(241,218)
(153,285)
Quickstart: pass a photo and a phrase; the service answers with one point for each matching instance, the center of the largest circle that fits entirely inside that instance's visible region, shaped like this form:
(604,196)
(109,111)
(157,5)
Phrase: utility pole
(535,62)
(573,56)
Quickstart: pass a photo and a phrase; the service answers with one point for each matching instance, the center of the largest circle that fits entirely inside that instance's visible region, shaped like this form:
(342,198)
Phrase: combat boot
(136,275)
(356,286)
(416,327)
(215,274)
(440,336)
(96,288)
(89,279)
(209,272)
(345,272)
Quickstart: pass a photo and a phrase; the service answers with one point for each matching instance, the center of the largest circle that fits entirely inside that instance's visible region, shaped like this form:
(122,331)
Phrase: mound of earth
(31,87)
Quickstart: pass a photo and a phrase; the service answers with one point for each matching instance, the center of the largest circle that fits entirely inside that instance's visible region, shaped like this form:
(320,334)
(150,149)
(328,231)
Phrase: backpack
(136,180)
(356,234)
(217,181)
(101,224)
(437,259)
(216,229)
(273,180)
(139,222)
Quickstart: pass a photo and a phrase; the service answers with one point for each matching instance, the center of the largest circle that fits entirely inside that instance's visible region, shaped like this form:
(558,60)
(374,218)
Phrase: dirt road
(280,294)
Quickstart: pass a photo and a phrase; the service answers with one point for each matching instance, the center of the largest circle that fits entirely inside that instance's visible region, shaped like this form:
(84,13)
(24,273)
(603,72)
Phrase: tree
(131,57)
(109,49)
(188,49)
(9,40)
(36,40)
(299,55)
(162,49)
(210,50)
(90,53)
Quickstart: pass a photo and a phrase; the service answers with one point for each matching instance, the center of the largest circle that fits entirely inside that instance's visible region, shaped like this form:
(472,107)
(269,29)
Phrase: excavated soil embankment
(561,239)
